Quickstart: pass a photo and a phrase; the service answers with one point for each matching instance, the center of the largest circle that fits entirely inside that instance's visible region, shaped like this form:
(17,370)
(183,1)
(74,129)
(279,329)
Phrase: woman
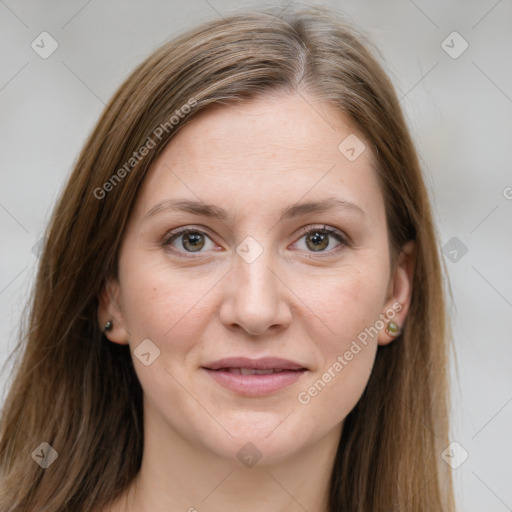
(240,300)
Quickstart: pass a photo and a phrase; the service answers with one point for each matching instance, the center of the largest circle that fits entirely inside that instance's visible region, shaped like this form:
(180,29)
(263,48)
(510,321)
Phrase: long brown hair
(75,391)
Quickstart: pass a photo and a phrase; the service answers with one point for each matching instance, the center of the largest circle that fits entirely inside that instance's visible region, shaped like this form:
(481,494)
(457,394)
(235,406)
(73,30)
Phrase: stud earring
(392,328)
(108,326)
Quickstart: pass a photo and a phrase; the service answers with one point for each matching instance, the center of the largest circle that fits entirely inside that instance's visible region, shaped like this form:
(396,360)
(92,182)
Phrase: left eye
(318,239)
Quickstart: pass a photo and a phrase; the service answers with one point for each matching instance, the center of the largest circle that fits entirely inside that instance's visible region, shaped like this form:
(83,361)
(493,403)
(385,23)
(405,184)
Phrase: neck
(176,475)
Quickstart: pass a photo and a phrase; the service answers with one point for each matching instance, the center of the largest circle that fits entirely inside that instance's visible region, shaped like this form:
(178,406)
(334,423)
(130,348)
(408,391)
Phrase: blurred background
(61,61)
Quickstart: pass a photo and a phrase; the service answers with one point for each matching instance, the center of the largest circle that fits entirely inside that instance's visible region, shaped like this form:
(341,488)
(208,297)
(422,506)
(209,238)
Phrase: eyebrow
(290,212)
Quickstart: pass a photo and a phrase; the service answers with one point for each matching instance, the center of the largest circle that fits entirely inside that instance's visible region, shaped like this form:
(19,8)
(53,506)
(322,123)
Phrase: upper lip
(264,363)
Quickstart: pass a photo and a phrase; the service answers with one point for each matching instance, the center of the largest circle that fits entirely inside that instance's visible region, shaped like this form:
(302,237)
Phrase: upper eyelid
(184,229)
(301,231)
(330,229)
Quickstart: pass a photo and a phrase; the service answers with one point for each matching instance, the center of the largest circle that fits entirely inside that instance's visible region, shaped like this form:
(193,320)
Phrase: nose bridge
(256,300)
(254,276)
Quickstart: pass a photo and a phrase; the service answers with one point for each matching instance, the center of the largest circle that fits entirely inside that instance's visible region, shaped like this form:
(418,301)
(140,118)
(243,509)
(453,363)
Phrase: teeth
(252,371)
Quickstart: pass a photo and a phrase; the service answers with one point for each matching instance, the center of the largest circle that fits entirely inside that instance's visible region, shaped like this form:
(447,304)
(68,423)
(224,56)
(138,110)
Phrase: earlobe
(399,299)
(110,316)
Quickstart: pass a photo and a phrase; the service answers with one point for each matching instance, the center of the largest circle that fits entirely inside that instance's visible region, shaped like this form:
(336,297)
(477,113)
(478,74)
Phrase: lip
(288,372)
(263,363)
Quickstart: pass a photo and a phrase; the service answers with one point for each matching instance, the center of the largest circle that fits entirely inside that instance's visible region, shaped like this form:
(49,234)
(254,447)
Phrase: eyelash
(173,235)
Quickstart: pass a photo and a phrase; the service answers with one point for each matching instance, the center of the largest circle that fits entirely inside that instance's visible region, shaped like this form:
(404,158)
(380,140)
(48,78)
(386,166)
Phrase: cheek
(162,304)
(349,303)
(350,309)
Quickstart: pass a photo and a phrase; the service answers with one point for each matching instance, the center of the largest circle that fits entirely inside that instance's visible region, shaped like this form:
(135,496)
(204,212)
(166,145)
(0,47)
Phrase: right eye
(186,240)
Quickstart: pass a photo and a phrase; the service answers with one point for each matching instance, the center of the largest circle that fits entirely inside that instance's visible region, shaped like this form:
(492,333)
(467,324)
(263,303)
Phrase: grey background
(459,111)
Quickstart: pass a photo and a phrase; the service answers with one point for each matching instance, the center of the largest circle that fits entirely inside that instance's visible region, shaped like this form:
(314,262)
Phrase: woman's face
(289,260)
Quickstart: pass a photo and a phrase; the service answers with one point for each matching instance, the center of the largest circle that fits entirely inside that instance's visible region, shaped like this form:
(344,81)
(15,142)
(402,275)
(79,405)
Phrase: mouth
(252,371)
(255,377)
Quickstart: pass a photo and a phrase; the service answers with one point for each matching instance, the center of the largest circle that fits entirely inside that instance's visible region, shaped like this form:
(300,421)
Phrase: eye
(318,239)
(192,240)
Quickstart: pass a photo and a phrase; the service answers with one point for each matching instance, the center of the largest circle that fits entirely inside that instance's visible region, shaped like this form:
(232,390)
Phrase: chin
(266,443)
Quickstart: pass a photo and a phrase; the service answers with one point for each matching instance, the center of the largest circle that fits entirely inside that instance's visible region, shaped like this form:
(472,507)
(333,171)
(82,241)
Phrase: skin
(252,159)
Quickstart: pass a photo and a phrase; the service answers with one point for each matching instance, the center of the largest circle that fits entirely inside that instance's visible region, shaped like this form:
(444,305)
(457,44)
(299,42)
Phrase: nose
(255,298)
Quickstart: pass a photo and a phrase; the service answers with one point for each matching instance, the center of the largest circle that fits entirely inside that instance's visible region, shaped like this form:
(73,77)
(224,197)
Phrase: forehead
(293,126)
(276,147)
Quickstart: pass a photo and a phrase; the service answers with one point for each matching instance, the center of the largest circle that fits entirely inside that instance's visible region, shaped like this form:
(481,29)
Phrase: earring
(108,326)
(392,329)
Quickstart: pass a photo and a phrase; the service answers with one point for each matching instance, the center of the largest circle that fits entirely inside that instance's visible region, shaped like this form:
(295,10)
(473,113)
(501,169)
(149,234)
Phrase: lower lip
(256,385)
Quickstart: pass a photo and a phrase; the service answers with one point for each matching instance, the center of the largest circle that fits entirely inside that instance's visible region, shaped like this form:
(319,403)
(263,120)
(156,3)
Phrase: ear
(109,308)
(399,294)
